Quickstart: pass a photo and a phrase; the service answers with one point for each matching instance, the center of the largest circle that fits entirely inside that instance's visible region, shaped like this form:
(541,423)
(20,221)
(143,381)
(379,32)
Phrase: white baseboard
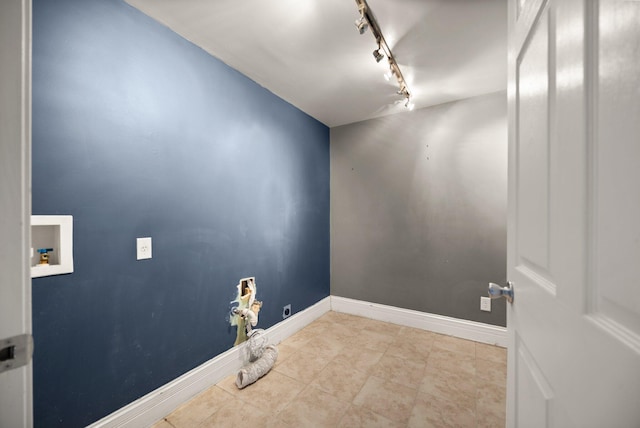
(471,330)
(149,409)
(298,321)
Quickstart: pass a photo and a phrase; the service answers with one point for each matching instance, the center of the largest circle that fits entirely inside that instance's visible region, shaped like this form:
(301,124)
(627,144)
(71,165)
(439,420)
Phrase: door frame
(16,385)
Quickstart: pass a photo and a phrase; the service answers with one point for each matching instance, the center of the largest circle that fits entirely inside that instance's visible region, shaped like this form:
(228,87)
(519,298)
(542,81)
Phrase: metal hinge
(15,352)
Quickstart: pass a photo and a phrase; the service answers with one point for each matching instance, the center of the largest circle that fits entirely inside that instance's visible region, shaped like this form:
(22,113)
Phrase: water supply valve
(44,255)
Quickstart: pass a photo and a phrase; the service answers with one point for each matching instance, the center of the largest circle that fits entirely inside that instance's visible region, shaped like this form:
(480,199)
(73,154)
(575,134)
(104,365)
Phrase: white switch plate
(144,248)
(485,304)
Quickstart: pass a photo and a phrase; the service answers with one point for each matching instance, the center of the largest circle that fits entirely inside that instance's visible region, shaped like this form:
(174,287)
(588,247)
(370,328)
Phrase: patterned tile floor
(348,371)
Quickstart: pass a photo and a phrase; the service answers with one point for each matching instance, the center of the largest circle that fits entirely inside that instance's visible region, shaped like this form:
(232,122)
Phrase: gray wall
(418,208)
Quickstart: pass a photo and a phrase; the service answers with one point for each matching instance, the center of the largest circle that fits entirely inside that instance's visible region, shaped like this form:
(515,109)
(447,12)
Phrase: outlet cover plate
(485,304)
(143,246)
(286,311)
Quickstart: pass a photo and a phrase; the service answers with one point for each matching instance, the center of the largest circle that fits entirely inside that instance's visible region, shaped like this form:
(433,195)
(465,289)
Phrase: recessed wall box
(53,235)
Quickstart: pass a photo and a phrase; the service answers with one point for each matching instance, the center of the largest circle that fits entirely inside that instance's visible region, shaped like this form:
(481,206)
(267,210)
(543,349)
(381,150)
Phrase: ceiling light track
(368,20)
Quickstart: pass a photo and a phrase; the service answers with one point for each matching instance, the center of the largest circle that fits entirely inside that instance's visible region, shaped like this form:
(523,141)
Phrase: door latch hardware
(8,353)
(15,352)
(495,291)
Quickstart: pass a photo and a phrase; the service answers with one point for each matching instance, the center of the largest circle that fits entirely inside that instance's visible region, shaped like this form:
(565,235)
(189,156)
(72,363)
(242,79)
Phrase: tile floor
(348,371)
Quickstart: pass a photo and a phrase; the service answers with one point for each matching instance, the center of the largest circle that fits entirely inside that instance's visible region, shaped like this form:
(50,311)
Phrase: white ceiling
(310,53)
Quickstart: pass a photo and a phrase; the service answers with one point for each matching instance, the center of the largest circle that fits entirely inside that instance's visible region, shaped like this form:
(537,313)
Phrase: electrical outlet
(143,246)
(286,311)
(485,304)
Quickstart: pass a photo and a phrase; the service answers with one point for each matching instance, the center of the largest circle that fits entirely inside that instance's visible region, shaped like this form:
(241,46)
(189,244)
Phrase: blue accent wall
(137,132)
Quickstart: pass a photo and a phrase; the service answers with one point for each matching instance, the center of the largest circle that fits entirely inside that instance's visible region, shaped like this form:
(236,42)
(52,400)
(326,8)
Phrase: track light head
(407,95)
(408,104)
(362,24)
(378,55)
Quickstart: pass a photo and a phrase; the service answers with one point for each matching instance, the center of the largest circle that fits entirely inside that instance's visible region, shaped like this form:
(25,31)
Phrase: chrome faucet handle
(495,291)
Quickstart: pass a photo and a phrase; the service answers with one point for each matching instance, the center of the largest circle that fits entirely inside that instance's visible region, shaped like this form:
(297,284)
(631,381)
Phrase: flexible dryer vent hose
(260,367)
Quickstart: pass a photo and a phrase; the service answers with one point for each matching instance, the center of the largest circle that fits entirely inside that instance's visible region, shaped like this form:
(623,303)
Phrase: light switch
(144,248)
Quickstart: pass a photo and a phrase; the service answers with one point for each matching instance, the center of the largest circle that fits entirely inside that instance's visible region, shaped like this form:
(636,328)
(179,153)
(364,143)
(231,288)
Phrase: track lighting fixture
(367,19)
(409,104)
(361,23)
(378,55)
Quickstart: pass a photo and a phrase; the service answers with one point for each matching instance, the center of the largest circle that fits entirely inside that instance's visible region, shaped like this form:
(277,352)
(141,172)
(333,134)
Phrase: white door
(15,210)
(574,213)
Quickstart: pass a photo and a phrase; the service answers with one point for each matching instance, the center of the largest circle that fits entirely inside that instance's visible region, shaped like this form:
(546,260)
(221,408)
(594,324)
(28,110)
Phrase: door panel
(616,158)
(532,145)
(533,390)
(532,239)
(574,210)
